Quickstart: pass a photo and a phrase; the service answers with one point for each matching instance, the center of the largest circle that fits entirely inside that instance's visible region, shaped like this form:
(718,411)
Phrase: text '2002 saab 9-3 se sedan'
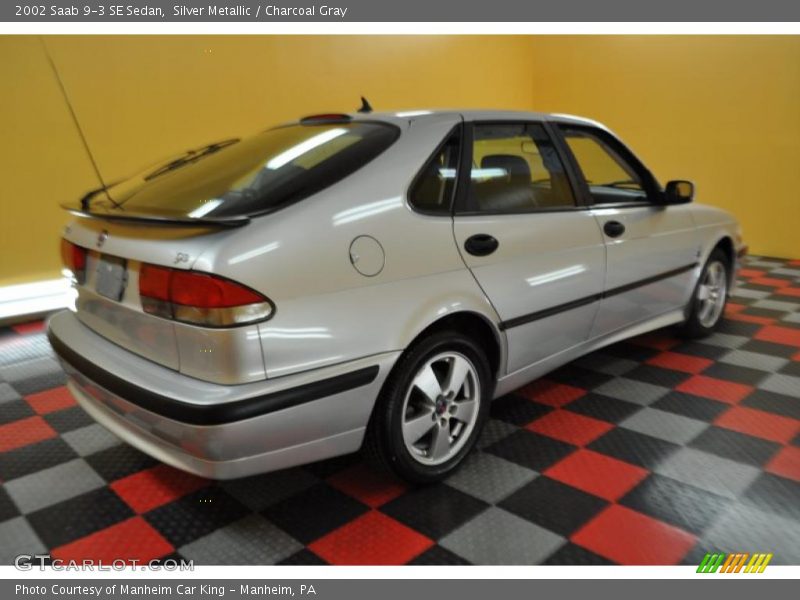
(371,280)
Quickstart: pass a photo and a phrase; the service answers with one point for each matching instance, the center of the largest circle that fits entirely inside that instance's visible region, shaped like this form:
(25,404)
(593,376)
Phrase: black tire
(384,447)
(695,326)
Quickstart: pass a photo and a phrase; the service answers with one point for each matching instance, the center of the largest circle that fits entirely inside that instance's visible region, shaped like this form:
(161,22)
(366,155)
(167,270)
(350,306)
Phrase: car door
(651,249)
(536,253)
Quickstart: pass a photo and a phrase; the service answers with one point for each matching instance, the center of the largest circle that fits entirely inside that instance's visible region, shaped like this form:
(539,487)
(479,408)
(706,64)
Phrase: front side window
(432,191)
(609,176)
(516,169)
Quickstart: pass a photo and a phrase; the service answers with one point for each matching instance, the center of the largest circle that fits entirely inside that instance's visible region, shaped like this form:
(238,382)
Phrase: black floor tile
(702,350)
(68,419)
(572,554)
(444,510)
(689,405)
(553,505)
(14,410)
(531,450)
(731,327)
(314,512)
(776,494)
(437,555)
(195,515)
(786,406)
(75,518)
(304,558)
(517,410)
(770,348)
(736,373)
(667,378)
(633,447)
(36,457)
(676,503)
(576,376)
(735,446)
(8,509)
(119,461)
(605,408)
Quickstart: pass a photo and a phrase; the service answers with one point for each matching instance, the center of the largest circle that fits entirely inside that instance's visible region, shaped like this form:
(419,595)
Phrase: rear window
(255,175)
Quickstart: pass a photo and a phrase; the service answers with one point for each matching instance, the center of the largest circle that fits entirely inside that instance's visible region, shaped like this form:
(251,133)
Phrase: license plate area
(112,277)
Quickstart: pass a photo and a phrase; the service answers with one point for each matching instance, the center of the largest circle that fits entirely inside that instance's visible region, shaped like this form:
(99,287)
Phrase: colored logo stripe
(733,562)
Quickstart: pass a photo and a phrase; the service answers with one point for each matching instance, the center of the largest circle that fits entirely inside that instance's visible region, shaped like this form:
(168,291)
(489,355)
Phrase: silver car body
(331,321)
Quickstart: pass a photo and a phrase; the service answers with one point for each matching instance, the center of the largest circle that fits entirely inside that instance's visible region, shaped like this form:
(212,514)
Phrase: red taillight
(74,258)
(199,298)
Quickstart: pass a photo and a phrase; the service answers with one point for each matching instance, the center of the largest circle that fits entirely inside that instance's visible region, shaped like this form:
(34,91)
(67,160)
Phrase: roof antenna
(365,106)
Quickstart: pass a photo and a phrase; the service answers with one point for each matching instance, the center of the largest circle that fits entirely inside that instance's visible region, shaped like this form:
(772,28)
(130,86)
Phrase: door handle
(613,228)
(481,244)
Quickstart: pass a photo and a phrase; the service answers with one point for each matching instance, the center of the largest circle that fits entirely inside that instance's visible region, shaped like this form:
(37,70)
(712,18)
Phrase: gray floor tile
(777,305)
(664,425)
(706,471)
(17,537)
(53,485)
(494,431)
(496,537)
(489,477)
(7,393)
(754,360)
(90,439)
(631,390)
(726,340)
(252,540)
(747,529)
(782,384)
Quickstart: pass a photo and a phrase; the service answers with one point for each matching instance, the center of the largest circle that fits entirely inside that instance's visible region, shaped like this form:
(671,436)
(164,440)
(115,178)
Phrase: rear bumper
(212,430)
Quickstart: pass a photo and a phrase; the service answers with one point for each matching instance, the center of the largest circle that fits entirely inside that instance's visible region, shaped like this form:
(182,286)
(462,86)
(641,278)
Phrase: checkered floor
(651,451)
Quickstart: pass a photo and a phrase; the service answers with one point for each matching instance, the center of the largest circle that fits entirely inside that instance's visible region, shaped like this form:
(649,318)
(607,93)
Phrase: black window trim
(653,188)
(457,129)
(466,166)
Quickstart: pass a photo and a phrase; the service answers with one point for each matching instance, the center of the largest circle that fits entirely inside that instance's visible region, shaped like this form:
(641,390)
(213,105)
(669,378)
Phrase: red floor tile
(786,463)
(658,340)
(364,484)
(552,393)
(771,282)
(570,427)
(750,319)
(154,487)
(794,292)
(751,273)
(680,362)
(597,474)
(131,540)
(779,335)
(759,423)
(716,389)
(631,538)
(371,539)
(51,400)
(24,432)
(32,327)
(733,308)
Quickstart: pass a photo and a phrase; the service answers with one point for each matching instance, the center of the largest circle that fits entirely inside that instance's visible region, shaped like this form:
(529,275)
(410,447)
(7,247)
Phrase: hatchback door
(652,249)
(536,254)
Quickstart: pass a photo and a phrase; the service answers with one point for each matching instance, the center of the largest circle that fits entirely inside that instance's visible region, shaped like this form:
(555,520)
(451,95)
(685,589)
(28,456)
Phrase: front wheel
(710,296)
(432,408)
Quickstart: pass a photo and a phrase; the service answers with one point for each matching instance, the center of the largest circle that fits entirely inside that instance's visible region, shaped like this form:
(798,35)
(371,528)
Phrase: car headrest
(518,169)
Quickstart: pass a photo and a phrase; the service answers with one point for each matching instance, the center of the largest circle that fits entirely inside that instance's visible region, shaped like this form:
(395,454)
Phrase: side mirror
(679,191)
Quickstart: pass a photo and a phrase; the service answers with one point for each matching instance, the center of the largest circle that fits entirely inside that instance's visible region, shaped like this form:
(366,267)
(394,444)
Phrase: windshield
(251,176)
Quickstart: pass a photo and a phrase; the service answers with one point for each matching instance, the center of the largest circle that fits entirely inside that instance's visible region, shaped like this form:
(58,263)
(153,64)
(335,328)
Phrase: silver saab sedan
(371,280)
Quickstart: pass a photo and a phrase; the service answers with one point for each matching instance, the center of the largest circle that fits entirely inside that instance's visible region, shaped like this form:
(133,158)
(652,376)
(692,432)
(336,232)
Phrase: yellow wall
(720,110)
(723,111)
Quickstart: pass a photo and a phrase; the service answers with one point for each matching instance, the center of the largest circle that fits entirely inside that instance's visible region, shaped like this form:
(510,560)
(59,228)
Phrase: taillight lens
(74,258)
(200,298)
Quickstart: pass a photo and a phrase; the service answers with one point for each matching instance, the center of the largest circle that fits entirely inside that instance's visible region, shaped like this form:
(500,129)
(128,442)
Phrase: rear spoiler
(158,220)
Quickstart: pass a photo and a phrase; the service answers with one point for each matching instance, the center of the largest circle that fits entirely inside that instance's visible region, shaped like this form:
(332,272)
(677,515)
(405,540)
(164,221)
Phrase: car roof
(403,116)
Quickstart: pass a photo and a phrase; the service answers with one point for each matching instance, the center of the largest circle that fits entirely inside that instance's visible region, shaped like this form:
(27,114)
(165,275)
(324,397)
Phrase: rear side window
(432,191)
(516,169)
(259,174)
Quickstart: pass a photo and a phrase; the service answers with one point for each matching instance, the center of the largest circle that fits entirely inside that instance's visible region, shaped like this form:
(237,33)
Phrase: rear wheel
(707,305)
(432,408)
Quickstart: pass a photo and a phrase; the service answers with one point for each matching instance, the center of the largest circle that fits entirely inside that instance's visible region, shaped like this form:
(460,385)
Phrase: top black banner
(197,11)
